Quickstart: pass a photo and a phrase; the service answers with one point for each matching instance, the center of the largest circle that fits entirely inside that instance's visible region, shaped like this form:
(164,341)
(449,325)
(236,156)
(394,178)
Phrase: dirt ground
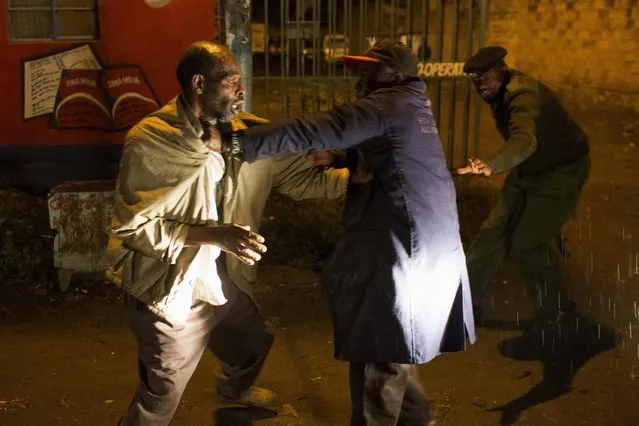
(70,359)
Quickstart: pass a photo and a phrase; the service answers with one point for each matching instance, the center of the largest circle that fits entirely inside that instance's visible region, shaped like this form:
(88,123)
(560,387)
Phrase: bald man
(169,248)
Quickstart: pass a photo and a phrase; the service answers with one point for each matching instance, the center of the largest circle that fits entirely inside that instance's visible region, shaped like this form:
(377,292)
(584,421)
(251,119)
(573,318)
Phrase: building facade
(147,34)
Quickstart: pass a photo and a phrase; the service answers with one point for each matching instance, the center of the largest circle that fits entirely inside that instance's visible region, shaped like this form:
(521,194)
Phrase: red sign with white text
(130,97)
(81,101)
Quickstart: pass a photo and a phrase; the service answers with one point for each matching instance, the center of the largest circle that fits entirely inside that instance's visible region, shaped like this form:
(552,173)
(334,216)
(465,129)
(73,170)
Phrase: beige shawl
(167,181)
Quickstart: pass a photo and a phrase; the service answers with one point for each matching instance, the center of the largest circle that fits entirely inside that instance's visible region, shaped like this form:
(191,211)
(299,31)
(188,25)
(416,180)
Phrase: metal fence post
(239,31)
(468,85)
(453,86)
(483,23)
(327,27)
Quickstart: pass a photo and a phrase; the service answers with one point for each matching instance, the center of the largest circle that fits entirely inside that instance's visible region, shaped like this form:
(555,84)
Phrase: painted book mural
(107,99)
(78,93)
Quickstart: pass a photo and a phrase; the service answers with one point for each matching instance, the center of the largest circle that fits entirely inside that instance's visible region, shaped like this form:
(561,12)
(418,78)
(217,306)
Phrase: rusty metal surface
(80,213)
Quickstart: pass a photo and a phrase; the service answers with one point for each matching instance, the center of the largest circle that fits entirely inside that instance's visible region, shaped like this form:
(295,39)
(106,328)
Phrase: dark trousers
(168,354)
(529,214)
(387,394)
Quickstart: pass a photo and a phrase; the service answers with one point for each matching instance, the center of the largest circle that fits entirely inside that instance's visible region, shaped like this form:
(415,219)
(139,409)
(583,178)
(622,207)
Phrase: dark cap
(392,53)
(486,58)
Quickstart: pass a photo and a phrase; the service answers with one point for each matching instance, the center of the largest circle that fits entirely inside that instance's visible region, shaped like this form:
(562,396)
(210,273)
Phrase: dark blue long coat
(397,283)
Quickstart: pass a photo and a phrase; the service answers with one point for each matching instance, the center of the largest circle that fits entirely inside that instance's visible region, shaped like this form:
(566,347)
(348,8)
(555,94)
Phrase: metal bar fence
(301,70)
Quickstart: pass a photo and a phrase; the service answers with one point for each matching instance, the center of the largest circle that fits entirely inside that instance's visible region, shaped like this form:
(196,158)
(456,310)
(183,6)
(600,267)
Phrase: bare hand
(323,158)
(476,166)
(211,137)
(241,242)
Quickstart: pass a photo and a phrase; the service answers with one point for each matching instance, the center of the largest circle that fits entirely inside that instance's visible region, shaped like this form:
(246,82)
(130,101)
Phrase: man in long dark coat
(397,283)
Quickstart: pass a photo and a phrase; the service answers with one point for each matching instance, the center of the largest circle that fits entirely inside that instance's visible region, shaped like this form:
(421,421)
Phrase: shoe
(252,397)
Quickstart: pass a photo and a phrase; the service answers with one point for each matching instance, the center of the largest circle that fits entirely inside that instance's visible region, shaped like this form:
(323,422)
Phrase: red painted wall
(131,32)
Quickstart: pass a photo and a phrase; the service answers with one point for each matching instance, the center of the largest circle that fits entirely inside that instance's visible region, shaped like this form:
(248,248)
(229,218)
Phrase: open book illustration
(108,99)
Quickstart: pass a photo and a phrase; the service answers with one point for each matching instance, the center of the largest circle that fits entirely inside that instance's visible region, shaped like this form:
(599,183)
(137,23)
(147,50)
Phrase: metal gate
(295,47)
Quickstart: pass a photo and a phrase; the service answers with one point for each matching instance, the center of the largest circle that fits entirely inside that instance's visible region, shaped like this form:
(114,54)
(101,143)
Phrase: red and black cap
(392,53)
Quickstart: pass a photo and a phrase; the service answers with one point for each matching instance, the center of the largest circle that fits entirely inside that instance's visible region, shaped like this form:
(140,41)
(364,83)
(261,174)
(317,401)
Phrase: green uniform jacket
(538,131)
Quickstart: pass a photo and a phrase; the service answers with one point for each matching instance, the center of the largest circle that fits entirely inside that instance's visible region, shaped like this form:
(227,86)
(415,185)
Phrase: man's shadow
(562,349)
(241,416)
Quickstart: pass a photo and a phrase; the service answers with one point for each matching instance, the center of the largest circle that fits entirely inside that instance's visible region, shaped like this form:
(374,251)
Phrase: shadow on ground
(241,416)
(563,349)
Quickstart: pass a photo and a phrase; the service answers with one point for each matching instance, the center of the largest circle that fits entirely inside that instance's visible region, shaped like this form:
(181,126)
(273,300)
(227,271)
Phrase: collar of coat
(170,138)
(179,114)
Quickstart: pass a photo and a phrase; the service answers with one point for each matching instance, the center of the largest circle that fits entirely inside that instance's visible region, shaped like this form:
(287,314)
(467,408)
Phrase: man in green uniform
(547,158)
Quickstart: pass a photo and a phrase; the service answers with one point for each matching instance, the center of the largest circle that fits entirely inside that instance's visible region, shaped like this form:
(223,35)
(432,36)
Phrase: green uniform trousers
(530,213)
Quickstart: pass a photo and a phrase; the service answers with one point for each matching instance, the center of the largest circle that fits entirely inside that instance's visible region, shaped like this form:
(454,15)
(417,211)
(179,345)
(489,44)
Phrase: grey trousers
(387,394)
(168,354)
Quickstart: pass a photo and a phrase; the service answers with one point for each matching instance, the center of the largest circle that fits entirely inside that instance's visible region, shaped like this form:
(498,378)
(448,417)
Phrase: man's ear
(397,78)
(197,83)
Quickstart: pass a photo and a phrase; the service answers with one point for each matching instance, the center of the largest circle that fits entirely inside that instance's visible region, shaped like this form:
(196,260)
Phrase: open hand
(240,241)
(475,166)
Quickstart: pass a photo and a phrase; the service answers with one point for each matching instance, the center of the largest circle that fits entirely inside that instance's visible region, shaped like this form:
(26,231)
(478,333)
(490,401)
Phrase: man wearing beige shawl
(169,247)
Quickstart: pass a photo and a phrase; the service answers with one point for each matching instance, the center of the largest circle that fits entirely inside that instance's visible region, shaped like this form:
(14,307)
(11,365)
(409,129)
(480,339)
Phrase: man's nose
(241,91)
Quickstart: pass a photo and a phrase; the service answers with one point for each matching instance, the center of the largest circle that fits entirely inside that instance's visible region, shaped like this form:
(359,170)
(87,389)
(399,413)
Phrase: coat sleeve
(298,177)
(339,128)
(156,238)
(523,110)
(137,217)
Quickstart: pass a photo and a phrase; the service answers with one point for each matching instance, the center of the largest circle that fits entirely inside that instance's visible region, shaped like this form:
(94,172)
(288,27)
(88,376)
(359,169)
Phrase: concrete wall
(588,50)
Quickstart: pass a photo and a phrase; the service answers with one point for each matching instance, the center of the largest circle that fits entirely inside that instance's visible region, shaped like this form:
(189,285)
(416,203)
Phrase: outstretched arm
(300,178)
(522,140)
(339,128)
